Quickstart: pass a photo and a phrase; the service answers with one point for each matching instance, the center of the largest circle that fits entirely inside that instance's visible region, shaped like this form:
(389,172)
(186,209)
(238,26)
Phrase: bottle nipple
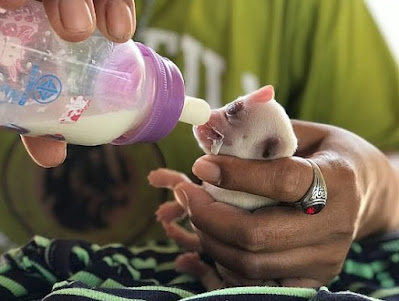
(196,111)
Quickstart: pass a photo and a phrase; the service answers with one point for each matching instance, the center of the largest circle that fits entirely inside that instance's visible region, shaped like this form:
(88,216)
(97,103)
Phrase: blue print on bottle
(44,90)
(47,89)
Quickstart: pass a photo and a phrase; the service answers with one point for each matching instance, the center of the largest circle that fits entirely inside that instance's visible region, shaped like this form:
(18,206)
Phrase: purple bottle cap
(168,102)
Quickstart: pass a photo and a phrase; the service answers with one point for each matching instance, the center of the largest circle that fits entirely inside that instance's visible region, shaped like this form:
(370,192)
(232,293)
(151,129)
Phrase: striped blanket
(50,270)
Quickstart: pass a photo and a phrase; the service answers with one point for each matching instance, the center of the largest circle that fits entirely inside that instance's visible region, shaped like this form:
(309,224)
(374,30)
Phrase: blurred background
(386,14)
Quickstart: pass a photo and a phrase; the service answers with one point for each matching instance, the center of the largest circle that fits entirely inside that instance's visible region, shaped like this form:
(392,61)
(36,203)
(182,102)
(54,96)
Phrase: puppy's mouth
(209,137)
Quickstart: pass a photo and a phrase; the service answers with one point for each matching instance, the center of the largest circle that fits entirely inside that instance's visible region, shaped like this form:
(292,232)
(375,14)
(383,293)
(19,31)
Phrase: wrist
(381,198)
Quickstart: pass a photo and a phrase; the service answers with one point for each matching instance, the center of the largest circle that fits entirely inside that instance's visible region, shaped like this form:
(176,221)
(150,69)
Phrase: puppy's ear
(262,95)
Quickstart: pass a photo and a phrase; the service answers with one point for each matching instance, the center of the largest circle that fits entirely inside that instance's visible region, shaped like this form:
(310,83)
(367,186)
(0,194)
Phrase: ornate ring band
(315,198)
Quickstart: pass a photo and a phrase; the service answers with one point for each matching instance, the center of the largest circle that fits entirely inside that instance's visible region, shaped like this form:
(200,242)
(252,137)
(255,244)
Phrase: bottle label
(44,89)
(30,57)
(27,41)
(17,31)
(75,109)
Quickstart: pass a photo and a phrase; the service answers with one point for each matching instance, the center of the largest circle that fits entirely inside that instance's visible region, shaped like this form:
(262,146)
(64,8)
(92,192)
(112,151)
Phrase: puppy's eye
(234,108)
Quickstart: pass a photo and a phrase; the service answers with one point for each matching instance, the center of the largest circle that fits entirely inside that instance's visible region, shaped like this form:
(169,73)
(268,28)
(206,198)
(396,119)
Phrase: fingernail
(207,171)
(76,15)
(181,197)
(119,20)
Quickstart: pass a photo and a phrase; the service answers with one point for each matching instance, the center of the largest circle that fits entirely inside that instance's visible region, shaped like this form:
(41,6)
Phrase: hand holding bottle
(75,20)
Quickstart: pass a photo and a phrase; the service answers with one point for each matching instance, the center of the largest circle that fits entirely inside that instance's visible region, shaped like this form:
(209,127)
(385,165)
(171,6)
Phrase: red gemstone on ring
(310,210)
(314,209)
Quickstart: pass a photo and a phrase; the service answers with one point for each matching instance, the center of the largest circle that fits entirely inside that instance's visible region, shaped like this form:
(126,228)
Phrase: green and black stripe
(52,270)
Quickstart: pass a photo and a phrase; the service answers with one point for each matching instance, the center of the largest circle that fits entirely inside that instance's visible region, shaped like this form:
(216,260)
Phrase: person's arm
(282,242)
(76,20)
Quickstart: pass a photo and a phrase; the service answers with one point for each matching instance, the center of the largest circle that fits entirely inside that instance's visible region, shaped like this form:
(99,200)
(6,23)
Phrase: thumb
(45,152)
(12,4)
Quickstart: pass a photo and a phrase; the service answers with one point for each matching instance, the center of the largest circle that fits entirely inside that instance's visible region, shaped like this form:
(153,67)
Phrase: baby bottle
(88,93)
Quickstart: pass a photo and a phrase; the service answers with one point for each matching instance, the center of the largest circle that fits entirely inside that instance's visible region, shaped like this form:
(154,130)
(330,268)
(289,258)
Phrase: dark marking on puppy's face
(271,147)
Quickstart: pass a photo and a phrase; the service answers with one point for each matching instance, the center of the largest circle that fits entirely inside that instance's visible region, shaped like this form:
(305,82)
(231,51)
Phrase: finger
(12,4)
(284,180)
(116,19)
(321,262)
(185,239)
(270,229)
(73,20)
(166,178)
(232,279)
(46,153)
(170,211)
(192,264)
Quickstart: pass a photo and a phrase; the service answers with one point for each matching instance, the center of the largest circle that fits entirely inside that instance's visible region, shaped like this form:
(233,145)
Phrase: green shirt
(326,59)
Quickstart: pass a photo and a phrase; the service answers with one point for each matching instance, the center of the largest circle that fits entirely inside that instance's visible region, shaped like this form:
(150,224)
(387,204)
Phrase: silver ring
(315,198)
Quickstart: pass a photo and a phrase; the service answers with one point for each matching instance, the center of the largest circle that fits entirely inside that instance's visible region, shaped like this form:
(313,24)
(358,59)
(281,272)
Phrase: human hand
(74,21)
(282,243)
(169,213)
